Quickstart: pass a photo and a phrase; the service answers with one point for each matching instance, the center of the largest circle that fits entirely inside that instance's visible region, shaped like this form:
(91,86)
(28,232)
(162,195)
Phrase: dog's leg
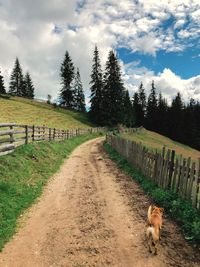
(148,235)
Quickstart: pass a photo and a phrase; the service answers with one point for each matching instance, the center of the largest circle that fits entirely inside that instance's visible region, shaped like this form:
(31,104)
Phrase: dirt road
(91,214)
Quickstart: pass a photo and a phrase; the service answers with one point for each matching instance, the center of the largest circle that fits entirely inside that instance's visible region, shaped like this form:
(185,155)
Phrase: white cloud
(166,82)
(28,31)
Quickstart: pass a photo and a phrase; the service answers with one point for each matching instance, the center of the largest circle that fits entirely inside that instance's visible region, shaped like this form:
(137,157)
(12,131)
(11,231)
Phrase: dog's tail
(149,214)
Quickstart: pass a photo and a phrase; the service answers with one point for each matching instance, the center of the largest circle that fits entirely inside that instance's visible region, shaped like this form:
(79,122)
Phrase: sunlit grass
(155,141)
(24,111)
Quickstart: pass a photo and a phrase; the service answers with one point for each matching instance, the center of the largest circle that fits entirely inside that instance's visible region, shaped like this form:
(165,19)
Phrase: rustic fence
(178,174)
(13,135)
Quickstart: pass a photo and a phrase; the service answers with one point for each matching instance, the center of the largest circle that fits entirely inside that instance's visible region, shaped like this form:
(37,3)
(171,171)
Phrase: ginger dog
(154,224)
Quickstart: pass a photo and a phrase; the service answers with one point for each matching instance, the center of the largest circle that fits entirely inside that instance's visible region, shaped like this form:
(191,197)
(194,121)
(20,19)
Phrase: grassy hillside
(155,141)
(25,111)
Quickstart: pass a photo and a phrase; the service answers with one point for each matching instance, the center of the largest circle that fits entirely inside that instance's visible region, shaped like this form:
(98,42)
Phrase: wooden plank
(190,182)
(19,143)
(177,185)
(7,124)
(166,169)
(6,132)
(195,188)
(171,169)
(186,177)
(20,131)
(174,176)
(5,140)
(7,147)
(6,152)
(181,184)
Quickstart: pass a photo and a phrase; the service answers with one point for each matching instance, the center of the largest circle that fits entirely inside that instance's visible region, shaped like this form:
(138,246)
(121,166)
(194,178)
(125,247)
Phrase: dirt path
(91,214)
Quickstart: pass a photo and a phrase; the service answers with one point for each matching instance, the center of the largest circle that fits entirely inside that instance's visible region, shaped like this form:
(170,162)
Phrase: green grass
(26,111)
(179,209)
(23,175)
(155,141)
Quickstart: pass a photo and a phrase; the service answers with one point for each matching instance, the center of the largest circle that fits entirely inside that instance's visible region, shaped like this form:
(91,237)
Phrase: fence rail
(165,169)
(13,135)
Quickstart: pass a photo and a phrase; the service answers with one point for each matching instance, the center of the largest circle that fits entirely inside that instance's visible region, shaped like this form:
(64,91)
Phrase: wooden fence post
(195,189)
(54,133)
(33,133)
(26,136)
(49,134)
(44,132)
(11,135)
(171,169)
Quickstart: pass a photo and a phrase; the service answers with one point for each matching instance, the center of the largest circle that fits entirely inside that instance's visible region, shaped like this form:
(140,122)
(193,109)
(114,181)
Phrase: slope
(26,111)
(155,141)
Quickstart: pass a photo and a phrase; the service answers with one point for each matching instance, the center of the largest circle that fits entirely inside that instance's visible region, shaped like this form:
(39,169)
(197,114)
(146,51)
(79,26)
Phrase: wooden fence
(165,169)
(13,135)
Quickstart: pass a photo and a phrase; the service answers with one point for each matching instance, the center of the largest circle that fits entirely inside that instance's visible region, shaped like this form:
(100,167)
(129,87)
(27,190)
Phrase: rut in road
(92,214)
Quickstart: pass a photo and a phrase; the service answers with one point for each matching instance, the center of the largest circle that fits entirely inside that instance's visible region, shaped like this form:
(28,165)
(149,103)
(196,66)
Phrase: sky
(154,40)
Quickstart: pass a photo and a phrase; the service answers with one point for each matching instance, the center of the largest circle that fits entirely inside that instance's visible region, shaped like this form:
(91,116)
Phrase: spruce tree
(129,119)
(142,105)
(151,109)
(16,80)
(136,109)
(67,76)
(79,104)
(28,86)
(139,106)
(176,118)
(113,92)
(162,115)
(96,89)
(2,87)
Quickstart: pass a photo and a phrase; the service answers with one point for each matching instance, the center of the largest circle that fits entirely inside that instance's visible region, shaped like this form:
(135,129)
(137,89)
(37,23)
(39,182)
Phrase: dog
(154,225)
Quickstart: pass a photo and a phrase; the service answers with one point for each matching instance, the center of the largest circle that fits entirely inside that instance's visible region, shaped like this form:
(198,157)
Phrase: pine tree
(136,109)
(67,76)
(142,103)
(79,95)
(151,109)
(28,86)
(96,89)
(113,92)
(162,115)
(176,118)
(2,87)
(129,119)
(16,80)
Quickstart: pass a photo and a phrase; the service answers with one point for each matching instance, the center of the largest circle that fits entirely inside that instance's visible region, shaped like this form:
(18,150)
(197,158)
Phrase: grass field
(155,141)
(25,111)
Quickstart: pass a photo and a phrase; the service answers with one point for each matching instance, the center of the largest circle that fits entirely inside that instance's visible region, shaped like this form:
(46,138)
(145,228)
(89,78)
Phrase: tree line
(178,121)
(111,105)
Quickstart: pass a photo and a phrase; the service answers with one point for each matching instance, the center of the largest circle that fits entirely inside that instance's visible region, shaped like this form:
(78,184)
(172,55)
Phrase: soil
(92,214)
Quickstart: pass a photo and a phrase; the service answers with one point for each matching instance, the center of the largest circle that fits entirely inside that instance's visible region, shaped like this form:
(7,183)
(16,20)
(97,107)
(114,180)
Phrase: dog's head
(158,210)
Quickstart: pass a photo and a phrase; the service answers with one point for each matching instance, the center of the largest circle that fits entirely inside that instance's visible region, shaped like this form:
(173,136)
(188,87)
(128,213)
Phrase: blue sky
(154,40)
(185,64)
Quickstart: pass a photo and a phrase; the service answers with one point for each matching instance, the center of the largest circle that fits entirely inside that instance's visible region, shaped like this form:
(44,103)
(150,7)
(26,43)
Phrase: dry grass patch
(25,111)
(155,141)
